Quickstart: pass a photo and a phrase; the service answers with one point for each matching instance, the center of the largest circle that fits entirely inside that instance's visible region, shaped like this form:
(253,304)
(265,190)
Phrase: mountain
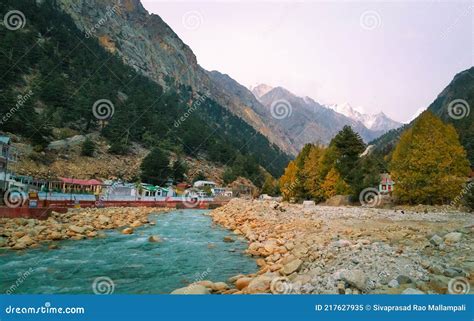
(453,105)
(145,42)
(378,122)
(260,90)
(55,74)
(306,121)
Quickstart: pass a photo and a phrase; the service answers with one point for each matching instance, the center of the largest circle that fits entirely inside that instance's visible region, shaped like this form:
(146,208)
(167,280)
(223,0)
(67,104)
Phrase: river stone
(453,237)
(259,284)
(393,284)
(3,241)
(228,239)
(154,238)
(292,266)
(77,229)
(356,278)
(436,240)
(103,219)
(242,283)
(192,289)
(219,286)
(127,230)
(403,279)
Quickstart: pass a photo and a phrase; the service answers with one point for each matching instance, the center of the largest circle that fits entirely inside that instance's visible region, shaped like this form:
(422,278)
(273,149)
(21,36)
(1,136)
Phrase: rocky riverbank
(348,250)
(76,224)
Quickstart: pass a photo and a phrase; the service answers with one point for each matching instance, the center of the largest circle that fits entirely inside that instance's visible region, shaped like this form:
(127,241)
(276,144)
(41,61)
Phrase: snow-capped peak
(260,90)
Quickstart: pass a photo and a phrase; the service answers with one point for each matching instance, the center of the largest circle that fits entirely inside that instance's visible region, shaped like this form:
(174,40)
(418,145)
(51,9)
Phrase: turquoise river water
(192,250)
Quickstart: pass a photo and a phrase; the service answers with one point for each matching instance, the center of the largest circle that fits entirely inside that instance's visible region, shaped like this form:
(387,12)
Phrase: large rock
(356,278)
(453,237)
(260,284)
(338,200)
(436,240)
(154,238)
(77,229)
(127,230)
(242,283)
(192,289)
(292,267)
(412,291)
(103,219)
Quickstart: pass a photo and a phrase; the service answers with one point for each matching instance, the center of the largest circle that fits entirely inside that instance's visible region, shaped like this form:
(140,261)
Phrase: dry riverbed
(76,224)
(349,250)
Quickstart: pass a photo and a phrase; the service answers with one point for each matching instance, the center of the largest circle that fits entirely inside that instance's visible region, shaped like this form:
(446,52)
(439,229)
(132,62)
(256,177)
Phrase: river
(192,249)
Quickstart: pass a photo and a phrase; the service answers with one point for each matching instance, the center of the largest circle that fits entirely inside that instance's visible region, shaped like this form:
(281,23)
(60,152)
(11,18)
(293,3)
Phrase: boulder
(356,278)
(453,237)
(260,284)
(103,219)
(228,239)
(192,289)
(127,230)
(242,283)
(292,267)
(154,239)
(55,236)
(436,240)
(338,200)
(219,286)
(77,229)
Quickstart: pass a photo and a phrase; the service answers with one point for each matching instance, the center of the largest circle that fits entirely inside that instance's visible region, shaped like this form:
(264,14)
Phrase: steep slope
(453,105)
(305,120)
(61,75)
(145,42)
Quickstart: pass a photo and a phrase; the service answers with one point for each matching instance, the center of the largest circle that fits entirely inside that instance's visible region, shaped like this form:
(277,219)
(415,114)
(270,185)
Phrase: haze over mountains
(145,42)
(310,121)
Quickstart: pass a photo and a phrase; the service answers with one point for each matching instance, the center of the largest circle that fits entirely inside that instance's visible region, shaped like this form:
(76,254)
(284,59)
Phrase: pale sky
(394,57)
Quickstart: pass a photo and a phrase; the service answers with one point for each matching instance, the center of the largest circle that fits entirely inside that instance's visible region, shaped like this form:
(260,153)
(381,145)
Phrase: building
(386,183)
(74,185)
(221,191)
(202,184)
(7,156)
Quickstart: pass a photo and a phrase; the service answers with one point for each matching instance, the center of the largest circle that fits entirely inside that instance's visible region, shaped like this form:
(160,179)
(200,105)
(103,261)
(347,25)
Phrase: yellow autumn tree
(312,172)
(289,180)
(334,185)
(429,165)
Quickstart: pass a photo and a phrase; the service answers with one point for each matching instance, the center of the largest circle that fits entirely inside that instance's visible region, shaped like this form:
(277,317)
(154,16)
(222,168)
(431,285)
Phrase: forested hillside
(60,74)
(454,106)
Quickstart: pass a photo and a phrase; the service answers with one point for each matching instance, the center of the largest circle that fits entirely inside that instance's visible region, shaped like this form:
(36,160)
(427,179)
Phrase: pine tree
(429,165)
(155,167)
(88,148)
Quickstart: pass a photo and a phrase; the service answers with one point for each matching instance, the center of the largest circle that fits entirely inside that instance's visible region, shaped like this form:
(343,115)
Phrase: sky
(394,57)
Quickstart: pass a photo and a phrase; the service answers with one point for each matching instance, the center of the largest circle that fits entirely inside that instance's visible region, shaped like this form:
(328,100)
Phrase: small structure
(221,191)
(7,155)
(202,184)
(386,184)
(74,185)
